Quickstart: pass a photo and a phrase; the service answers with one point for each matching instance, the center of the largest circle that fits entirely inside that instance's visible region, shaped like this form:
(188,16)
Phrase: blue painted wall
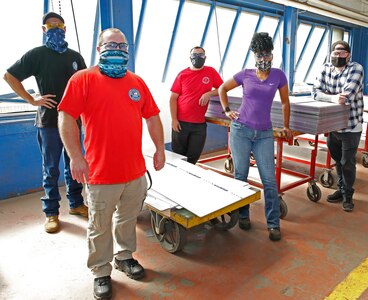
(20,159)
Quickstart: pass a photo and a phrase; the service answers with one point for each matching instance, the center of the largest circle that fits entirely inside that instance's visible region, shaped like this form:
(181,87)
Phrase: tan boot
(81,210)
(52,224)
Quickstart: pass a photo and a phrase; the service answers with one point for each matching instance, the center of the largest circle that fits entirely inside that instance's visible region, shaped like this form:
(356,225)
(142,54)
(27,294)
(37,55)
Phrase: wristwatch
(227,109)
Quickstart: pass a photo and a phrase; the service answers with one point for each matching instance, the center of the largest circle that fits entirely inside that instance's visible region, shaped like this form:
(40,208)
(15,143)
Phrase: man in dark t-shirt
(52,65)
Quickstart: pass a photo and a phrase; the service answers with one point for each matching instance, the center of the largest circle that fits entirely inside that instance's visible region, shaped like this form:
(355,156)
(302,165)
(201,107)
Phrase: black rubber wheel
(283,208)
(228,165)
(365,161)
(314,192)
(173,236)
(296,142)
(311,143)
(252,160)
(226,221)
(326,179)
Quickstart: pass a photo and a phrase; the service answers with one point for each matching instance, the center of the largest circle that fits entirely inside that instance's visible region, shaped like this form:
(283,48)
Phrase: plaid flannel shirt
(349,81)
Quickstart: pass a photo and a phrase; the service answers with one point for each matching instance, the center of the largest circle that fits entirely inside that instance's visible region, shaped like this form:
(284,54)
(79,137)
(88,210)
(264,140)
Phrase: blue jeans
(343,148)
(51,148)
(243,141)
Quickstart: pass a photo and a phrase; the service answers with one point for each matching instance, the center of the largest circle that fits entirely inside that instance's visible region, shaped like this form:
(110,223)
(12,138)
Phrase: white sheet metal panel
(197,190)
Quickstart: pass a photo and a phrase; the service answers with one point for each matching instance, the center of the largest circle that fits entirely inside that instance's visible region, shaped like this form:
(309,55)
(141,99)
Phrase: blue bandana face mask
(113,63)
(55,40)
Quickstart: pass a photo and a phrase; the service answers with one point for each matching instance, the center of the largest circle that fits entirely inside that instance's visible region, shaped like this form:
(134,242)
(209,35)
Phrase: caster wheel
(326,179)
(283,208)
(314,192)
(311,143)
(252,160)
(228,165)
(296,142)
(226,221)
(365,161)
(170,234)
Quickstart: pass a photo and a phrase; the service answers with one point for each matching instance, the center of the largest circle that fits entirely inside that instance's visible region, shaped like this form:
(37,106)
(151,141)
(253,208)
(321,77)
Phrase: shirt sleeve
(74,98)
(283,79)
(239,77)
(176,86)
(24,67)
(217,80)
(354,81)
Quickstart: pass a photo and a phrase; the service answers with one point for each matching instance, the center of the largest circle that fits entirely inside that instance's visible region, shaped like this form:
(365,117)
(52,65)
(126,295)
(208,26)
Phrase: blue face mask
(55,40)
(113,63)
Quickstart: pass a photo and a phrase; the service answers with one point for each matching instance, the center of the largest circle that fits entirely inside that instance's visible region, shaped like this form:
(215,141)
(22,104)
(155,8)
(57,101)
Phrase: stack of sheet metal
(306,114)
(310,116)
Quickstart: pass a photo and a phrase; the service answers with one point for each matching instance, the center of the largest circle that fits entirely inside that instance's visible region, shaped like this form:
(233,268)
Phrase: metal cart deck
(184,196)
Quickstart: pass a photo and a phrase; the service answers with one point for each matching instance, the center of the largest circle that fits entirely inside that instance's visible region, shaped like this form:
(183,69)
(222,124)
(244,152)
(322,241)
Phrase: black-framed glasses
(115,46)
(340,53)
(200,55)
(264,55)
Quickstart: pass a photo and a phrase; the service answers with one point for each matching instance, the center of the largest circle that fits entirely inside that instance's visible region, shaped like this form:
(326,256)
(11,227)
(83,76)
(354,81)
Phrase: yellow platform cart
(170,226)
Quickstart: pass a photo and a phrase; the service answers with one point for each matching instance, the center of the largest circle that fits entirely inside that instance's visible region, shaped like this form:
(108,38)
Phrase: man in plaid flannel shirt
(341,81)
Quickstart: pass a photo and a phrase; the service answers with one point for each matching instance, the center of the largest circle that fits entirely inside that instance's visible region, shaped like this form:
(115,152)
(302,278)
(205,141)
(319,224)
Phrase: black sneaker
(102,289)
(348,204)
(130,267)
(244,223)
(274,234)
(335,197)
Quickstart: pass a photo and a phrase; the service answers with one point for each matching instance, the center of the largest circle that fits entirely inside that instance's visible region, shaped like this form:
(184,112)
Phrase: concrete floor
(321,245)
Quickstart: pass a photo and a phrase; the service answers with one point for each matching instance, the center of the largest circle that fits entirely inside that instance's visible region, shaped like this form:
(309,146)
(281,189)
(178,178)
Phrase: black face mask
(338,62)
(197,62)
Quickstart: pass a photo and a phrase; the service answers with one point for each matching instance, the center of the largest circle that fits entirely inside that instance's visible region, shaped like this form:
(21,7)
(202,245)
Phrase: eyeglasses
(114,46)
(340,53)
(264,55)
(200,55)
(54,25)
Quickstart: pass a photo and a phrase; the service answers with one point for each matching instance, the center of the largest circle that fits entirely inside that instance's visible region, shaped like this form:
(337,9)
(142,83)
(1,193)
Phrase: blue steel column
(119,14)
(360,53)
(45,10)
(289,43)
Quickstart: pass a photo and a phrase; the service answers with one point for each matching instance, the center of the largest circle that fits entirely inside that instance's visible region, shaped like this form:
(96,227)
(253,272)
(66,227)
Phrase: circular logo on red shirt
(134,95)
(206,80)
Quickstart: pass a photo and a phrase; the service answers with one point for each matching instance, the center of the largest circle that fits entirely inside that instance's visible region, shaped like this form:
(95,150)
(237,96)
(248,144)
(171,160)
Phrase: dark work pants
(343,148)
(190,140)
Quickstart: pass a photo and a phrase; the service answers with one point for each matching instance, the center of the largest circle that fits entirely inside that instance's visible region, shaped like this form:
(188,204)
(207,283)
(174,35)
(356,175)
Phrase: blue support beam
(208,23)
(316,53)
(233,28)
(173,37)
(95,35)
(255,30)
(289,43)
(140,26)
(311,30)
(359,38)
(119,14)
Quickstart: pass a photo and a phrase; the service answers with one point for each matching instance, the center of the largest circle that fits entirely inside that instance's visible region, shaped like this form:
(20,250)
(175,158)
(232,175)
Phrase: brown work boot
(52,224)
(81,210)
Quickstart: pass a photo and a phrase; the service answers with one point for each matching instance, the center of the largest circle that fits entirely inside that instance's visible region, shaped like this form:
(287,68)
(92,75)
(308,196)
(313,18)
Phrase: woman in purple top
(251,127)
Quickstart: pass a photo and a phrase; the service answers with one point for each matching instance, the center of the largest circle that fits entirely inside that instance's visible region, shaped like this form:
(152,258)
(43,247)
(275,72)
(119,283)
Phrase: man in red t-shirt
(111,102)
(190,95)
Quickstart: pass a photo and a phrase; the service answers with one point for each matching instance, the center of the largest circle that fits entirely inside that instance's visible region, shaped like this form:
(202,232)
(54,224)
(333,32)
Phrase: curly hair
(261,41)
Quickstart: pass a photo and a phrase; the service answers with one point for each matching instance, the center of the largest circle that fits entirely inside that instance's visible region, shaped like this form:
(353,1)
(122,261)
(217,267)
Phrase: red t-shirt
(191,85)
(111,111)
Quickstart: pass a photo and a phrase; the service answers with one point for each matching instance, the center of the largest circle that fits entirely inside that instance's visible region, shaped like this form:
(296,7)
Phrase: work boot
(81,210)
(244,223)
(130,267)
(102,289)
(335,197)
(274,234)
(52,224)
(347,204)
